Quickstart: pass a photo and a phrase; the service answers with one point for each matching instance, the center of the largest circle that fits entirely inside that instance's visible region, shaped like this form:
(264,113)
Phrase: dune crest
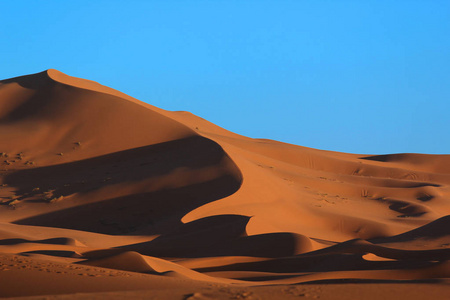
(96,182)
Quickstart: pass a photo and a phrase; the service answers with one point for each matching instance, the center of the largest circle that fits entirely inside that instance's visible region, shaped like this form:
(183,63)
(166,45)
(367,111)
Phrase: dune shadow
(33,81)
(382,157)
(52,241)
(405,208)
(329,262)
(371,281)
(221,235)
(146,213)
(57,253)
(208,175)
(39,100)
(439,228)
(131,165)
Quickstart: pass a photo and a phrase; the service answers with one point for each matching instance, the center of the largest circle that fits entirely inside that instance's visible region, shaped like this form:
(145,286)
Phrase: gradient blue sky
(353,76)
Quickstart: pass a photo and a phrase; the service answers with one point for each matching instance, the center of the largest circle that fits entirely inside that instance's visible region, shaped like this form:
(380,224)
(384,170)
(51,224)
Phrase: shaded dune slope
(90,176)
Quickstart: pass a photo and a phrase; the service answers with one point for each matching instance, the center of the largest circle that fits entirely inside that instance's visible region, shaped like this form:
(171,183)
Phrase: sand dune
(100,192)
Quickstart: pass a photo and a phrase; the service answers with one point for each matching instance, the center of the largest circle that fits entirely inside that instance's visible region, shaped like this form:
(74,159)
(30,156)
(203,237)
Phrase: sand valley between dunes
(103,196)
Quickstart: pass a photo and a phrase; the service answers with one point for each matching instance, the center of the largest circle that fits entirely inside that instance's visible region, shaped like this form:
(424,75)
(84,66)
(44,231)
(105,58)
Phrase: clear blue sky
(353,76)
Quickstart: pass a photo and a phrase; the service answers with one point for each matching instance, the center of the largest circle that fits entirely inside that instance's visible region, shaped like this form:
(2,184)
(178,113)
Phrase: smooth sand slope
(101,193)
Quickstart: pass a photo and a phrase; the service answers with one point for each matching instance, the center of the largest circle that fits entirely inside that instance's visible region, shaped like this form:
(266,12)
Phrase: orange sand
(106,195)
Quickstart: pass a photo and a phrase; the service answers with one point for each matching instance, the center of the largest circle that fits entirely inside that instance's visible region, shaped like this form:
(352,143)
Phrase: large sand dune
(103,193)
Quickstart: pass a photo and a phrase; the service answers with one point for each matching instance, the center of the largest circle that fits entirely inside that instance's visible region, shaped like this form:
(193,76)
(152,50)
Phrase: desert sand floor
(103,196)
